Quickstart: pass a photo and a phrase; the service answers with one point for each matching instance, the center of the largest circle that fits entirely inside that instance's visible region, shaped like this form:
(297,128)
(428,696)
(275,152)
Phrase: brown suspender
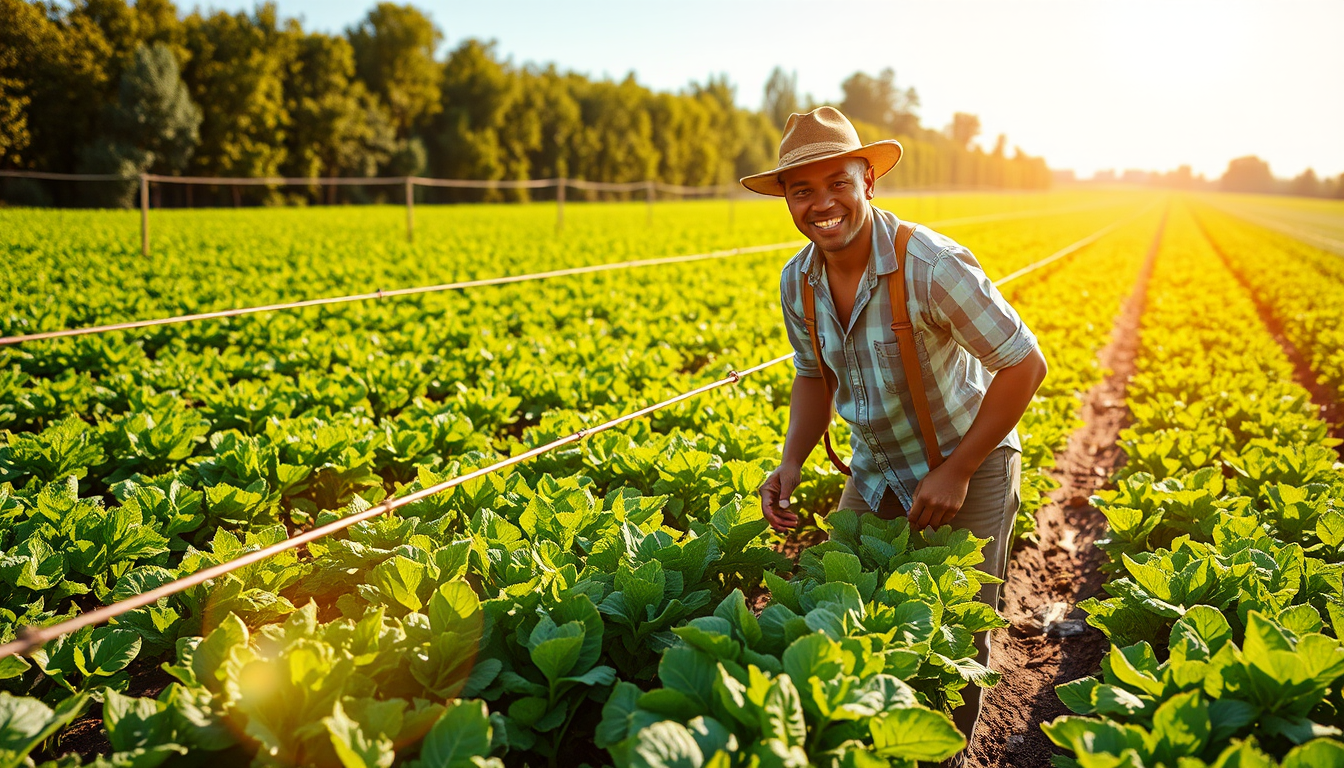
(905,338)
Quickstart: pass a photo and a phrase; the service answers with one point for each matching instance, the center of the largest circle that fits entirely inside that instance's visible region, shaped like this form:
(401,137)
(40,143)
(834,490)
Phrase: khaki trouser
(991,503)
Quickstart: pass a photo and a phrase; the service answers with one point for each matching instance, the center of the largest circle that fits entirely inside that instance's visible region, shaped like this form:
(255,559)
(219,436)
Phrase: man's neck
(852,259)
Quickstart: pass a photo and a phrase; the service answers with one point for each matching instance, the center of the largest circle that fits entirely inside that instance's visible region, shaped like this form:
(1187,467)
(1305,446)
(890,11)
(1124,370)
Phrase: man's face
(829,200)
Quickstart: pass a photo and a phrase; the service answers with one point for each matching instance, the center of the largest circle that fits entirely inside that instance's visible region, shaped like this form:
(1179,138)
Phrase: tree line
(113,87)
(1251,174)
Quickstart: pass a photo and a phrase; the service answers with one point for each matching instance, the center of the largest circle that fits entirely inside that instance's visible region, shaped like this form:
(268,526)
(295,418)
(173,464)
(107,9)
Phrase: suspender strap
(905,338)
(810,319)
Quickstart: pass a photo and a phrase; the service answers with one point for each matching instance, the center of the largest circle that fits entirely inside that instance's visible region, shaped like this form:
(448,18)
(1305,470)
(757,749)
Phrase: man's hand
(938,496)
(775,493)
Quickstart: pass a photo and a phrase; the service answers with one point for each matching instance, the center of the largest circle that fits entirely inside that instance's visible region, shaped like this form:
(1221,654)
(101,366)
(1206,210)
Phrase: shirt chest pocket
(891,367)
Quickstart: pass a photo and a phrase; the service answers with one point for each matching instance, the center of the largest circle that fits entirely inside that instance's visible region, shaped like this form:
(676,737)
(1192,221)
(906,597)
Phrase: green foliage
(538,593)
(1224,544)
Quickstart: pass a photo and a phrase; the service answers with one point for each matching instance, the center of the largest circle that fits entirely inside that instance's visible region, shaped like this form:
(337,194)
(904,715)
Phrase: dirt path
(1331,410)
(1048,642)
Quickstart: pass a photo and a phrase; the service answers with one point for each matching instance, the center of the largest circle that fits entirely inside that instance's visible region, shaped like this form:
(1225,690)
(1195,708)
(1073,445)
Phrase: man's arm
(942,492)
(809,417)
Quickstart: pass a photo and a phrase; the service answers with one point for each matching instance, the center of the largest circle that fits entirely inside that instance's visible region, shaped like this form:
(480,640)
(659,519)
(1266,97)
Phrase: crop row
(1302,285)
(551,593)
(1226,546)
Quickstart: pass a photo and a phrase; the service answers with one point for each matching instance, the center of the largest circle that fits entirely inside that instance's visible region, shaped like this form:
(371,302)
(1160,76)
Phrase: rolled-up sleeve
(804,361)
(964,301)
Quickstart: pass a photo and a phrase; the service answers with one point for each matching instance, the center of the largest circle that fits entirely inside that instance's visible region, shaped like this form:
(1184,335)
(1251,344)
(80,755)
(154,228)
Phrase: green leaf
(134,722)
(1315,754)
(841,567)
(110,651)
(1114,700)
(556,655)
(1130,675)
(461,733)
(783,713)
(1262,639)
(353,747)
(25,723)
(398,580)
(1180,727)
(1330,528)
(210,654)
(670,703)
(454,607)
(616,712)
(711,736)
(1077,695)
(691,672)
(665,745)
(813,655)
(916,734)
(1228,716)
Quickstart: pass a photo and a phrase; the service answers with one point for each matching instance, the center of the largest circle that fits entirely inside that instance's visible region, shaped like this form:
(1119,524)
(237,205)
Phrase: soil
(1061,566)
(1331,410)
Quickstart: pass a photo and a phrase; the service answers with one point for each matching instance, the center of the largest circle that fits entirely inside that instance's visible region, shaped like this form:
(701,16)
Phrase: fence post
(650,192)
(410,209)
(560,204)
(144,215)
(729,194)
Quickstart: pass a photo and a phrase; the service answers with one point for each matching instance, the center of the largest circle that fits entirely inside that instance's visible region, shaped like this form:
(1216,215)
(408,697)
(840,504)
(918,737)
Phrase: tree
(58,67)
(963,129)
(541,126)
(154,112)
(152,126)
(237,69)
(21,25)
(1248,174)
(879,101)
(477,91)
(781,96)
(615,139)
(337,126)
(394,56)
(1306,184)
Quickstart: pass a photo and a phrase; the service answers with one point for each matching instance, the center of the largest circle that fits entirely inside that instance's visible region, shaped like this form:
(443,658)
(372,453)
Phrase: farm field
(620,600)
(1317,222)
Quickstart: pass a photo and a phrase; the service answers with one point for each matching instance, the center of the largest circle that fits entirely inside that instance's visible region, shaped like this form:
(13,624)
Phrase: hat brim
(881,155)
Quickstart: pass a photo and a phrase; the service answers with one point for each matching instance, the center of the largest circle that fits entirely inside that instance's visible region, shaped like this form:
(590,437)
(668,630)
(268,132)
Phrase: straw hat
(822,134)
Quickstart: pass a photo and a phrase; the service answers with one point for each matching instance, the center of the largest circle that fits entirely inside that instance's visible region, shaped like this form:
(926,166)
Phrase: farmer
(932,399)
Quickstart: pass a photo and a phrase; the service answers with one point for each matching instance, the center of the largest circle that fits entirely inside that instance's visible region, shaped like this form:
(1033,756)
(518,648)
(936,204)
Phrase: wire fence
(650,190)
(30,638)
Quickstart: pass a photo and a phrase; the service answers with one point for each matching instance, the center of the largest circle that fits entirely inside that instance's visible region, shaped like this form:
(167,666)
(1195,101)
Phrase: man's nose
(825,200)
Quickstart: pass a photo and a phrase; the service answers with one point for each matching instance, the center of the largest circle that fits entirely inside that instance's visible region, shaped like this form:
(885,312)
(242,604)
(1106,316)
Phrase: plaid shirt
(964,331)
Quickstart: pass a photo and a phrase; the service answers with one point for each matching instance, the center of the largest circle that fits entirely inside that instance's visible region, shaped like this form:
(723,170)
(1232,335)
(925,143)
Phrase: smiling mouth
(828,224)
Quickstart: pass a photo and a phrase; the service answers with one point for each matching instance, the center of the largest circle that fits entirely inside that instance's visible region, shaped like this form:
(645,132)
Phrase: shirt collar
(883,253)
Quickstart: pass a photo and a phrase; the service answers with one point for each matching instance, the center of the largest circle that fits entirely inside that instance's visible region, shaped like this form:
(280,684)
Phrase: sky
(1088,84)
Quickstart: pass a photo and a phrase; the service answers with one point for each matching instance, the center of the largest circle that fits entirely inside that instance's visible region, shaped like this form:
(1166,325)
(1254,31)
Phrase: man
(954,409)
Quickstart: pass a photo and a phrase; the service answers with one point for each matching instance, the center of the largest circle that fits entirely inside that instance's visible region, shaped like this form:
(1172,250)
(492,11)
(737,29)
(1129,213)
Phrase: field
(620,600)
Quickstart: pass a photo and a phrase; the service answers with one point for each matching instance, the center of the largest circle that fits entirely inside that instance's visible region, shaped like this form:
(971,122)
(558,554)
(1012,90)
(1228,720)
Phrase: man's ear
(870,180)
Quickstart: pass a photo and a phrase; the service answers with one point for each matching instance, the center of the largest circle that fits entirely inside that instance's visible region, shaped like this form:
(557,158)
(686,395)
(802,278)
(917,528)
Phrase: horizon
(1193,71)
